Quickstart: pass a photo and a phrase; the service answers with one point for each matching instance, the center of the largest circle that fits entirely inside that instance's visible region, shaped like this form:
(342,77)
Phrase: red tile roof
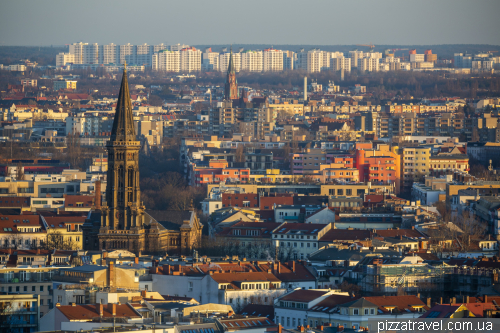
(88,312)
(72,200)
(402,303)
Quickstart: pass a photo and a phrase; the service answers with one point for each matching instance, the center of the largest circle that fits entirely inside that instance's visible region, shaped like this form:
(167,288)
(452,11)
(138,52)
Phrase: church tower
(231,86)
(123,210)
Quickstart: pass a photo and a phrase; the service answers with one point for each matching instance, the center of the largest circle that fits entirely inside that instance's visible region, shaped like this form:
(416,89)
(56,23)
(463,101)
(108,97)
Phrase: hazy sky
(326,22)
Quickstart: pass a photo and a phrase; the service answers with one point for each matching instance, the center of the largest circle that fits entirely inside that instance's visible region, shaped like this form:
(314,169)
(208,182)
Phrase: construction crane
(371,46)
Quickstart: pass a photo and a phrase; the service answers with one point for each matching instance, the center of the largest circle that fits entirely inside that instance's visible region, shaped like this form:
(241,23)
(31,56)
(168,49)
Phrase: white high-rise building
(273,60)
(144,54)
(355,55)
(190,59)
(90,54)
(224,61)
(314,61)
(340,63)
(302,60)
(167,61)
(77,50)
(210,60)
(326,60)
(251,61)
(289,59)
(64,58)
(128,53)
(368,64)
(108,54)
(417,57)
(85,53)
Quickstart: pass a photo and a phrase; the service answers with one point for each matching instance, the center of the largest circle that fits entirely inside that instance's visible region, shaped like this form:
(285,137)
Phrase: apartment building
(144,54)
(273,60)
(340,63)
(368,64)
(108,54)
(190,60)
(224,61)
(210,60)
(64,58)
(415,162)
(289,59)
(128,54)
(298,240)
(252,61)
(217,171)
(165,60)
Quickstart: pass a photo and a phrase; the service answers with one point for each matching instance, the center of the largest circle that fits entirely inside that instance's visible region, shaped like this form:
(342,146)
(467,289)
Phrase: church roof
(170,219)
(123,124)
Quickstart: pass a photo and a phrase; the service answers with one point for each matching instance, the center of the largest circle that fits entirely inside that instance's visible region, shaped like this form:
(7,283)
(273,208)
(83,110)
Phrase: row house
(229,283)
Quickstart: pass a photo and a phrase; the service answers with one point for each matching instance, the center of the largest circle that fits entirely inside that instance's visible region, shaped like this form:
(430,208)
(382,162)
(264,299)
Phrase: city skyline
(279,22)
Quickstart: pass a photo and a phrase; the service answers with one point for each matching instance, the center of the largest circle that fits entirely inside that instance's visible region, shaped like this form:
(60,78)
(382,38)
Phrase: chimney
(97,199)
(143,293)
(104,254)
(429,302)
(467,299)
(440,300)
(100,309)
(485,298)
(111,274)
(293,266)
(73,304)
(418,295)
(280,328)
(279,268)
(340,328)
(453,300)
(401,237)
(112,308)
(37,251)
(320,327)
(136,260)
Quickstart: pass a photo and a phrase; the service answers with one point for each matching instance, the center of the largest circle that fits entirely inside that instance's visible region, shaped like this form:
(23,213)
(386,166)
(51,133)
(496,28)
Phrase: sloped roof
(303,295)
(87,312)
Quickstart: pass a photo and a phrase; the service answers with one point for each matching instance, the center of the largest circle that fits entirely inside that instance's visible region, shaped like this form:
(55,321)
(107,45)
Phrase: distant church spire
(123,124)
(231,86)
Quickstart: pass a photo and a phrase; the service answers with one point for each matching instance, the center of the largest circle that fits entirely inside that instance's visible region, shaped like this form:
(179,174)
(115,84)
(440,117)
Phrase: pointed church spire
(230,67)
(123,124)
(231,86)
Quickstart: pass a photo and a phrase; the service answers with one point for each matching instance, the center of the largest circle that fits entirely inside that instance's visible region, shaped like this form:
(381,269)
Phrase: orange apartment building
(381,167)
(218,171)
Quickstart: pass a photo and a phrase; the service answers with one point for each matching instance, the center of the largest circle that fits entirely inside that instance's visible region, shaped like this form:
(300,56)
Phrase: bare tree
(19,172)
(239,154)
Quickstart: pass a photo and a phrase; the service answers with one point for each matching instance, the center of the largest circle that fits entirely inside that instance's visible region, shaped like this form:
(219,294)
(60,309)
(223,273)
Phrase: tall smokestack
(305,89)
